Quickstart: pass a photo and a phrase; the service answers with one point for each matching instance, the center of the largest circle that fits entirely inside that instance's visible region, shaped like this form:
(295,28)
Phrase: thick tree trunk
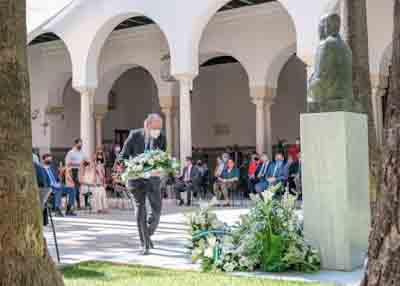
(24,260)
(355,30)
(384,250)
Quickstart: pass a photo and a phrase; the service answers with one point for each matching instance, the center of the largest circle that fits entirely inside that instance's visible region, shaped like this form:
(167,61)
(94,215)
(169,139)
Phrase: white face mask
(155,133)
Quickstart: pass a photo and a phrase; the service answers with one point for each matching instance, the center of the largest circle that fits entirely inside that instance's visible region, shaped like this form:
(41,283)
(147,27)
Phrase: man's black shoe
(145,251)
(59,213)
(70,213)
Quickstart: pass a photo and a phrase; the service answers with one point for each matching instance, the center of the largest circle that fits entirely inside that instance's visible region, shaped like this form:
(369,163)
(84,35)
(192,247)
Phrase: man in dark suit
(58,189)
(278,172)
(43,183)
(189,182)
(139,141)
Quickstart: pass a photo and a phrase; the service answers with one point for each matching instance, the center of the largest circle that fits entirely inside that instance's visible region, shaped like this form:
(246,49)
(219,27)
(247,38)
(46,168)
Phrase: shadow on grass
(105,271)
(79,273)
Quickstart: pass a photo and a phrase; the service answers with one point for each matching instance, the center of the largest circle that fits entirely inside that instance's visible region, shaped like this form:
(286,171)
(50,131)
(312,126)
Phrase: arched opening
(50,82)
(133,95)
(129,22)
(221,106)
(290,101)
(68,125)
(44,38)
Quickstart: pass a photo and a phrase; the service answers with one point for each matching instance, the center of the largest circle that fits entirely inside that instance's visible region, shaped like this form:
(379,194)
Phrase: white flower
(209,252)
(267,196)
(230,266)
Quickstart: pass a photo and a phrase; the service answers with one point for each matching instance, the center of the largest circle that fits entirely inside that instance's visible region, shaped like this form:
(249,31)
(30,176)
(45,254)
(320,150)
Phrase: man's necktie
(51,176)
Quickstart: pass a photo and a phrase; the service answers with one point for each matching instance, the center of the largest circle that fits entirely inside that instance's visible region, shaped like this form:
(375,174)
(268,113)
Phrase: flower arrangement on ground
(146,164)
(269,238)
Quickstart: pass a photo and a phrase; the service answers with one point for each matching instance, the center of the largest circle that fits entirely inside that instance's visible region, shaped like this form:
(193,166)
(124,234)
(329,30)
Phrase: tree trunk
(383,267)
(355,30)
(24,260)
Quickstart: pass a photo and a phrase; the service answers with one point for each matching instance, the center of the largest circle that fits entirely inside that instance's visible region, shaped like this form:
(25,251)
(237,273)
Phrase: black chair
(45,194)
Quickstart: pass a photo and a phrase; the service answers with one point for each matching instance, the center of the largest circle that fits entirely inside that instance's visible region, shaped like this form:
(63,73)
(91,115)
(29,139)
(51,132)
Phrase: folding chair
(125,194)
(44,196)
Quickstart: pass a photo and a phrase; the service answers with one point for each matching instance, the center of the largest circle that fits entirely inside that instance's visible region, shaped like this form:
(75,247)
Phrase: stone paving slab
(114,238)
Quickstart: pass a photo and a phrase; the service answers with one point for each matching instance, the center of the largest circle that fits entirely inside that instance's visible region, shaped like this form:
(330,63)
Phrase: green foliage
(269,238)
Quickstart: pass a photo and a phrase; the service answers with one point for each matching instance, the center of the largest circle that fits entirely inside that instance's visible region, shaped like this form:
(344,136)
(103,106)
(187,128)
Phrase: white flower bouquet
(145,165)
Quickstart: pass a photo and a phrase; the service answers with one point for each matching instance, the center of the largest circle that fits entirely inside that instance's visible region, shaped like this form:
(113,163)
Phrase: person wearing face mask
(140,141)
(74,158)
(57,187)
(278,172)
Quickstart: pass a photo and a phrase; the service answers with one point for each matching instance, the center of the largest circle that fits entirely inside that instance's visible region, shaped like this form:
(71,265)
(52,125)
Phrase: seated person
(58,189)
(189,182)
(252,173)
(277,173)
(43,184)
(227,180)
(293,170)
(262,170)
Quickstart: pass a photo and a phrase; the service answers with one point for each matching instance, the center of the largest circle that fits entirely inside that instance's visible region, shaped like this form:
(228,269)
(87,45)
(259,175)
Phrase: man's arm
(127,150)
(163,146)
(283,176)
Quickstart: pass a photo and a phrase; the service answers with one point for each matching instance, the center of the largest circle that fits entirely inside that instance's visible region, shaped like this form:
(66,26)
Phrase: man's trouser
(150,189)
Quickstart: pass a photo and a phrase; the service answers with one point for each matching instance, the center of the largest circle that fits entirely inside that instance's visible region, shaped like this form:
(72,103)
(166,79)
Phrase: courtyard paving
(114,238)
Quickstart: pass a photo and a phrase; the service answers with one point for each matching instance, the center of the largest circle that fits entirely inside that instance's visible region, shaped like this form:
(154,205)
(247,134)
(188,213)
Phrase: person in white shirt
(74,158)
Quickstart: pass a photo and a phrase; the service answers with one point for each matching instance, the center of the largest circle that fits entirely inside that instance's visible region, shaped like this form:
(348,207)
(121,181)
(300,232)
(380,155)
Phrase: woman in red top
(252,180)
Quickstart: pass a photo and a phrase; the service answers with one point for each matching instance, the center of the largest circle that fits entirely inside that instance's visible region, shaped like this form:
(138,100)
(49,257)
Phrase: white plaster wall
(290,102)
(221,96)
(136,97)
(66,128)
(39,98)
(50,70)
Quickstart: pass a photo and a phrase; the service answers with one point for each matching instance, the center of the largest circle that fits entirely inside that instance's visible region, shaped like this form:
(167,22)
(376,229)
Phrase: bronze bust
(330,86)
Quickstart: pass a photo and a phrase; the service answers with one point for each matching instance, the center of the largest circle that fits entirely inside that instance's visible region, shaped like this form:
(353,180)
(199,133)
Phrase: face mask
(155,133)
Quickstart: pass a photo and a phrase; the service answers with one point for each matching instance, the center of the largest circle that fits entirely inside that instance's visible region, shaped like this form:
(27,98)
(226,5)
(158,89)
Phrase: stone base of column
(336,187)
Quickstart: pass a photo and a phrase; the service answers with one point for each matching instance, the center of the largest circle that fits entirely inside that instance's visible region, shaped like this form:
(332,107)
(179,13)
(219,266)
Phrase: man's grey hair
(152,117)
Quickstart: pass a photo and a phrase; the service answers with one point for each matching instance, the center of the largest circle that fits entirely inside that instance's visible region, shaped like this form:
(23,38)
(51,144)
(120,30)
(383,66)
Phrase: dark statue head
(322,29)
(329,26)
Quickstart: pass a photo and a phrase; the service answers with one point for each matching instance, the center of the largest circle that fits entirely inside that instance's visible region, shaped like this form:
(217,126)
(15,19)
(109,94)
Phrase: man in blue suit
(58,189)
(43,183)
(278,172)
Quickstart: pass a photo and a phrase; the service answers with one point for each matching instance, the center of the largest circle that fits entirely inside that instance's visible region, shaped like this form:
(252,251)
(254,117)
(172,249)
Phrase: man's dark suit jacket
(42,178)
(135,144)
(194,174)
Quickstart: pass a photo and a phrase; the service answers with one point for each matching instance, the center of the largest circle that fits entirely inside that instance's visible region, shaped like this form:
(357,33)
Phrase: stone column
(100,110)
(260,124)
(185,85)
(263,97)
(168,112)
(268,125)
(87,122)
(176,135)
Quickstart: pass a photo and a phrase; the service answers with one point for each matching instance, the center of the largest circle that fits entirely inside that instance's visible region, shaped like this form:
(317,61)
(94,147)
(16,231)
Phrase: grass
(107,274)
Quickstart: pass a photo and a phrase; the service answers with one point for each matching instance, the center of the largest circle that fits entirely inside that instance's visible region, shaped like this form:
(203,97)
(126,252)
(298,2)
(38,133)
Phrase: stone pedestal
(336,187)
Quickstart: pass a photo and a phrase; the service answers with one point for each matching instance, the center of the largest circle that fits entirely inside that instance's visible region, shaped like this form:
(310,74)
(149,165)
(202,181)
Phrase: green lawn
(106,274)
